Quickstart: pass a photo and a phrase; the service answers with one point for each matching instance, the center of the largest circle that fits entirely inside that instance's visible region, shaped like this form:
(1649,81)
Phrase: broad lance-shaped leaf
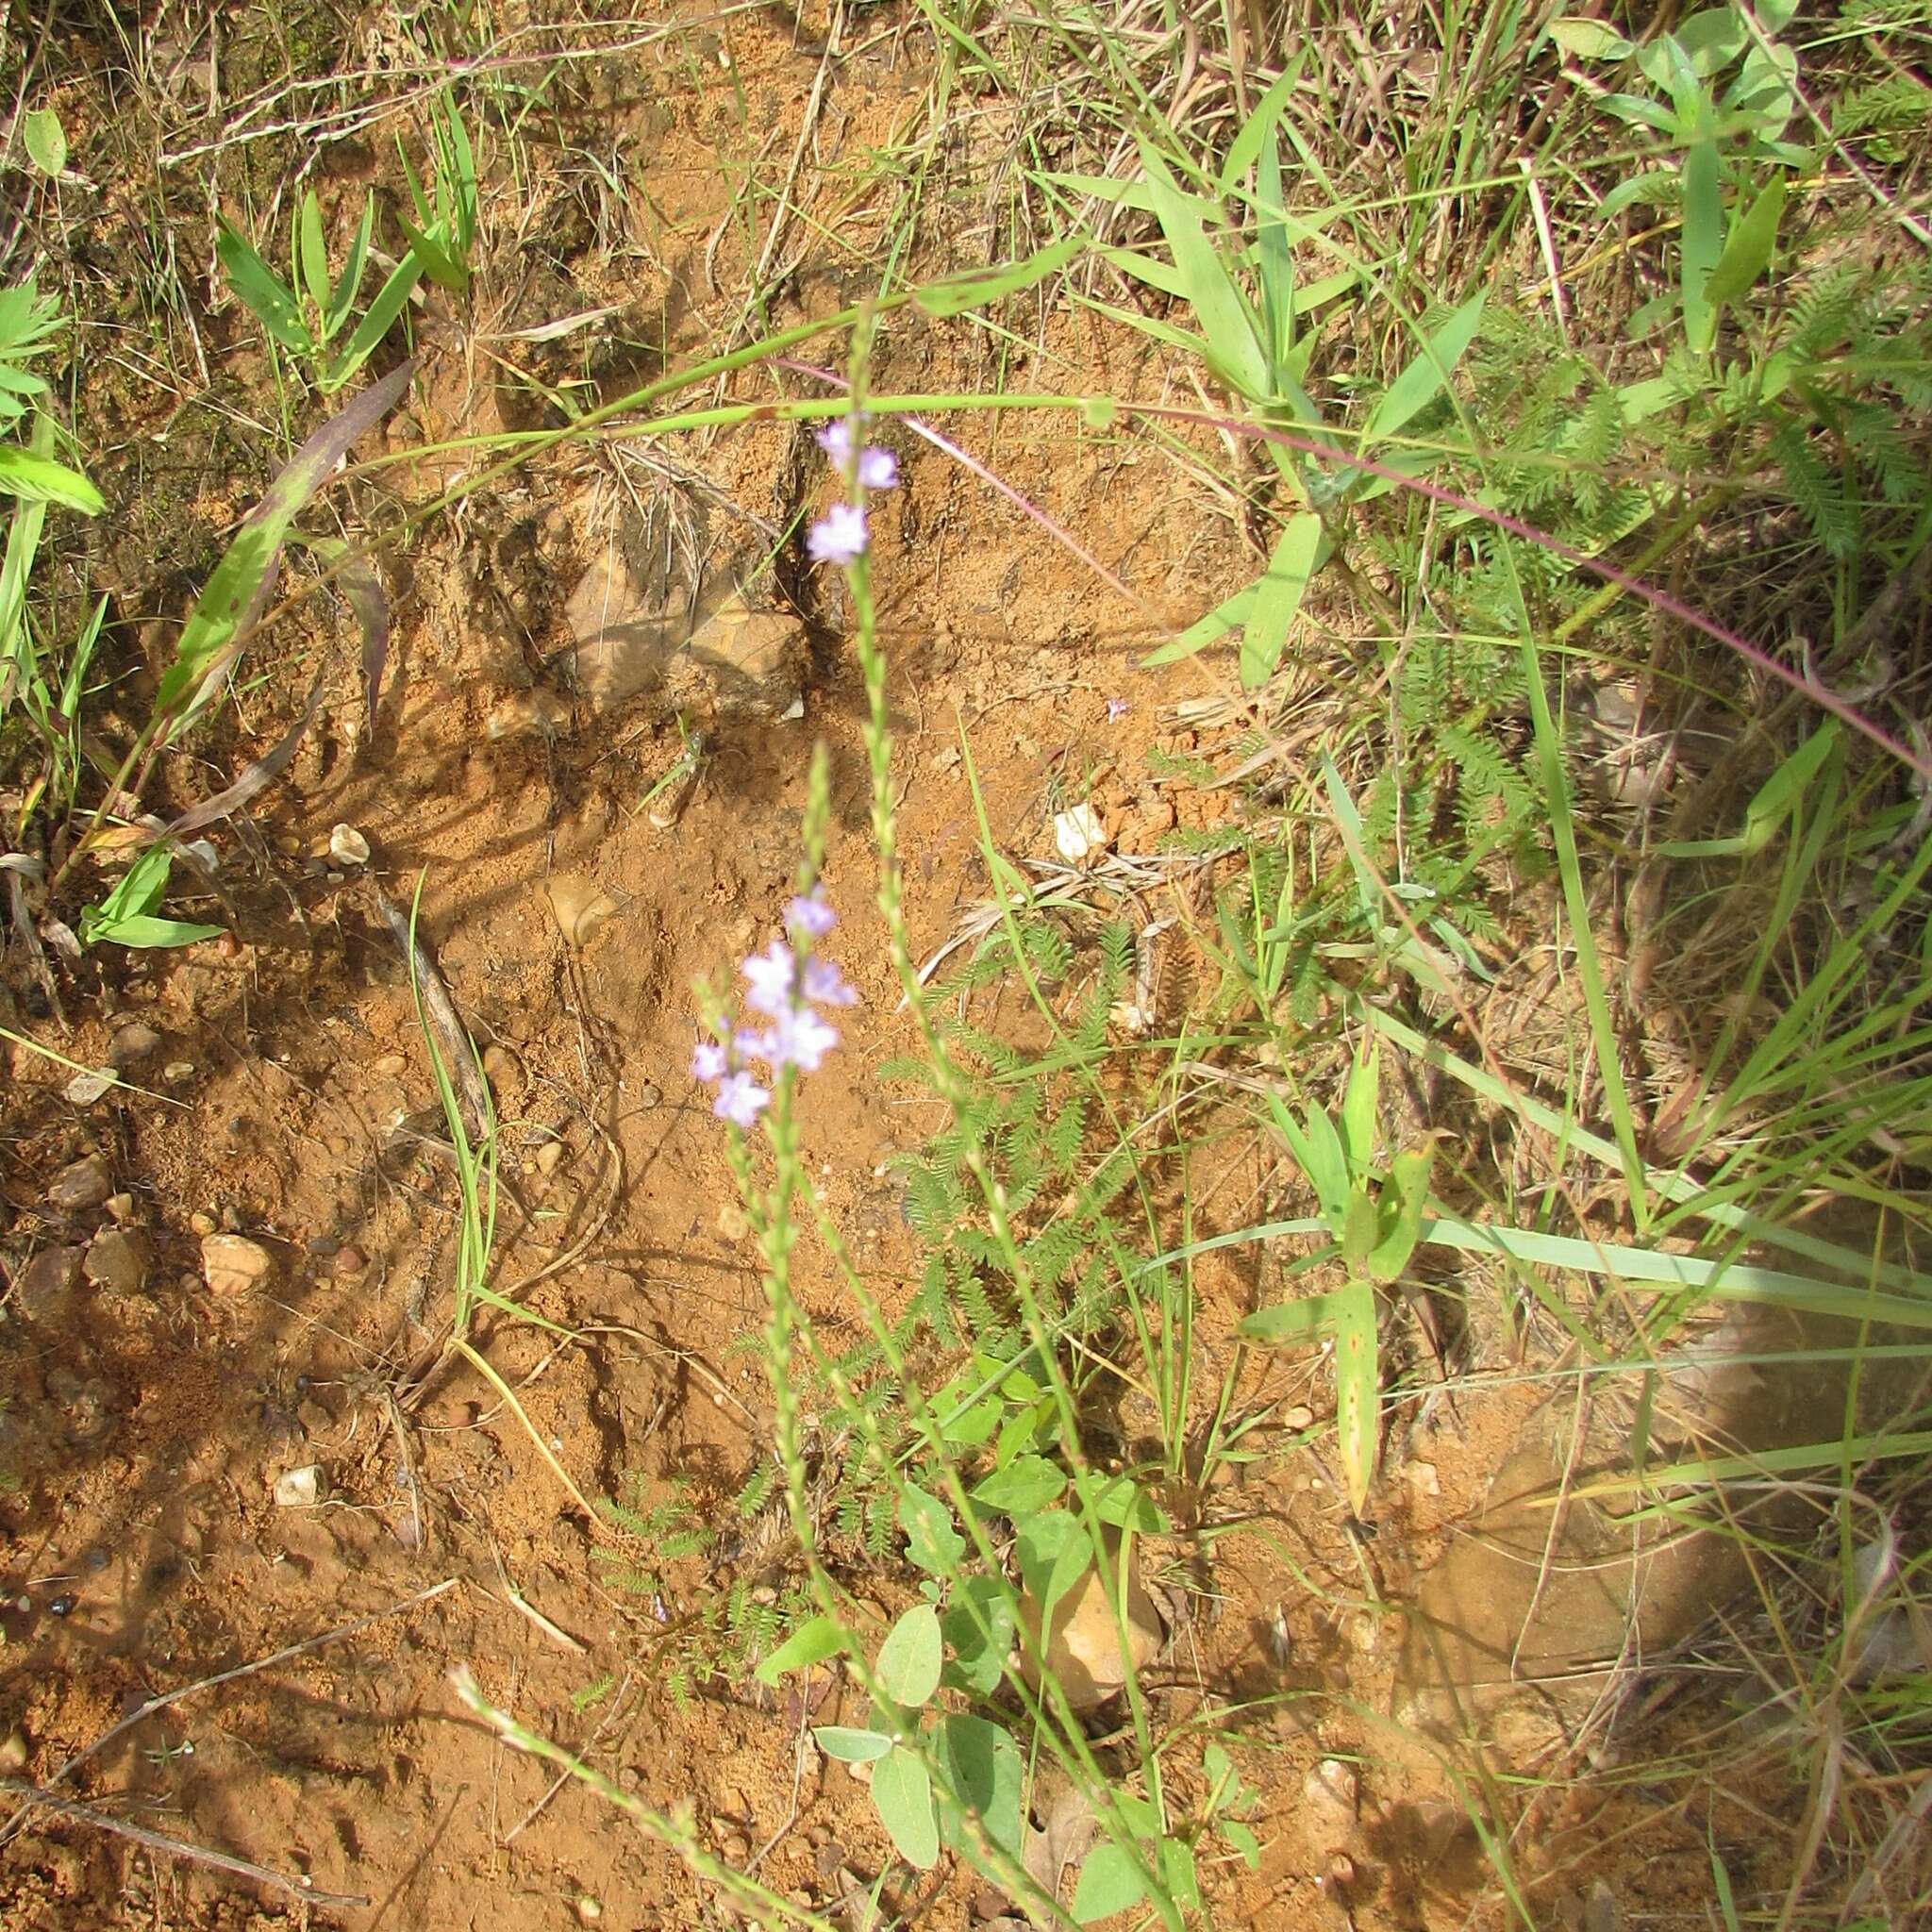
(218,624)
(1278,597)
(1702,243)
(1428,375)
(358,582)
(1357,1389)
(902,1795)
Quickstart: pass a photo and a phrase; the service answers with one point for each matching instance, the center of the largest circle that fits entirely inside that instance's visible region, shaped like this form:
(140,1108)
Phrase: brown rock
(578,905)
(117,1260)
(632,643)
(45,1288)
(1083,1648)
(345,1264)
(231,1264)
(81,1184)
(132,1043)
(535,713)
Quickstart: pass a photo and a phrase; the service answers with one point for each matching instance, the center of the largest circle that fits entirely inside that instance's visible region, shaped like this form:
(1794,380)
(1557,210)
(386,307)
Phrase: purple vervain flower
(772,979)
(825,984)
(785,984)
(835,438)
(741,1099)
(810,914)
(1116,710)
(839,536)
(878,468)
(799,1037)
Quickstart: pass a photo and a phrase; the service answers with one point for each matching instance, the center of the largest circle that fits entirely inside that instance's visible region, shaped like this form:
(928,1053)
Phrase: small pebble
(62,1606)
(47,1283)
(1300,1417)
(177,1073)
(300,1488)
(81,1184)
(649,1095)
(202,1223)
(731,1221)
(348,846)
(502,1068)
(117,1261)
(131,1044)
(13,1752)
(578,905)
(231,1264)
(588,1910)
(548,1156)
(346,1263)
(119,1206)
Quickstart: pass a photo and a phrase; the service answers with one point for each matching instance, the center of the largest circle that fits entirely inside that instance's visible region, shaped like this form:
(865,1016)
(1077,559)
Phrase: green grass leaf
(1234,348)
(1428,375)
(343,297)
(961,294)
(215,623)
(1357,1389)
(266,296)
(1747,254)
(1404,1200)
(1226,616)
(313,252)
(36,478)
(1702,242)
(1278,597)
(376,323)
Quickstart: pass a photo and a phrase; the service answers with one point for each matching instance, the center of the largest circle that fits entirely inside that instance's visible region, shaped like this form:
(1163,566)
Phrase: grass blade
(1428,375)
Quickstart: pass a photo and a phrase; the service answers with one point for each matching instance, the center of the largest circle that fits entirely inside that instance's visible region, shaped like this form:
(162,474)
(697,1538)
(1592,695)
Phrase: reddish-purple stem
(1662,600)
(1063,538)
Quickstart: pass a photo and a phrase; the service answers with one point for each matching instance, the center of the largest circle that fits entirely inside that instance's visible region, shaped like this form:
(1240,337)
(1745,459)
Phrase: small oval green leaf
(907,1665)
(45,140)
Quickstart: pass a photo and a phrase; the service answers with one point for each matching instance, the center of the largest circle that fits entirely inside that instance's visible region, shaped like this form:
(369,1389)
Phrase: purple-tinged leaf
(254,778)
(361,584)
(219,624)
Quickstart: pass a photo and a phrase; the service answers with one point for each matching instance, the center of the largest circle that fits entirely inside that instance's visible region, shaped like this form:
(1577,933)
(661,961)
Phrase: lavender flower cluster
(840,534)
(785,985)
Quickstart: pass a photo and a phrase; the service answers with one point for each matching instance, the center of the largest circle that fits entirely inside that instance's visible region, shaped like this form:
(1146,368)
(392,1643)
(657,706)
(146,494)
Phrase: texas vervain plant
(1558,968)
